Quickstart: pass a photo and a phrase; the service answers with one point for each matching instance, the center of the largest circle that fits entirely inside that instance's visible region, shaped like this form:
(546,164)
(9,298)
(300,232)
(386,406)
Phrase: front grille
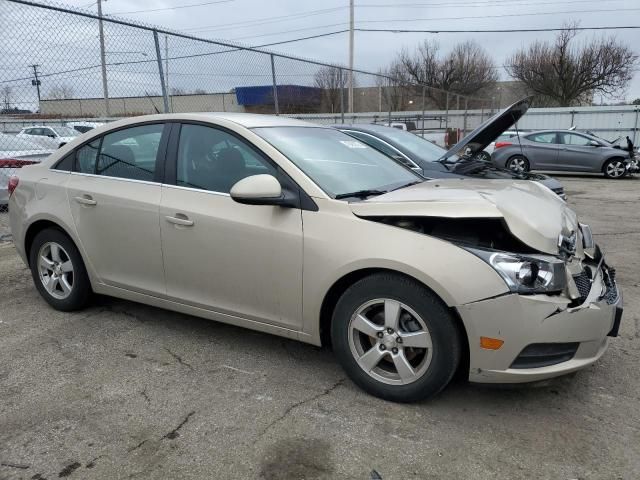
(611,293)
(583,282)
(539,355)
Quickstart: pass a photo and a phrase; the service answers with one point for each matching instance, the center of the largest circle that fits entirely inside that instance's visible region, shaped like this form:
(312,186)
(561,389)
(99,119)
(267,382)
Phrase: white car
(49,137)
(84,127)
(16,153)
(505,137)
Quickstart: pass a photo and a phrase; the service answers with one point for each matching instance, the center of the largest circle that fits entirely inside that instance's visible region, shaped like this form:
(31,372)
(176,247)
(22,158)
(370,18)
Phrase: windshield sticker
(353,144)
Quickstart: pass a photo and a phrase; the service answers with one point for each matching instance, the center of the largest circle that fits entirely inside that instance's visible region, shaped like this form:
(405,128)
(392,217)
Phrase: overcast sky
(375,50)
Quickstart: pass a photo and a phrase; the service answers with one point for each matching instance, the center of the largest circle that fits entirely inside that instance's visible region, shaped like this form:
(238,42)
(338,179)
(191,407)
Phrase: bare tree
(60,92)
(396,87)
(562,73)
(7,94)
(331,80)
(465,70)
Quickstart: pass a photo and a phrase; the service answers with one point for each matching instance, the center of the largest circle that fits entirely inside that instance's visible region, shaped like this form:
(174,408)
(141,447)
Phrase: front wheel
(395,338)
(614,168)
(518,164)
(58,271)
(484,156)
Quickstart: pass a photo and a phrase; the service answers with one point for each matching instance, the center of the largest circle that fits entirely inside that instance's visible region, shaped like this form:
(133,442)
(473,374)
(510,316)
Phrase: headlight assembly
(526,274)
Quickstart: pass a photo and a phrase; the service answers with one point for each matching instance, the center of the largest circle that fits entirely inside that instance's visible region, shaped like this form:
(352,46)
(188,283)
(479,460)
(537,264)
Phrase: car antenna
(515,124)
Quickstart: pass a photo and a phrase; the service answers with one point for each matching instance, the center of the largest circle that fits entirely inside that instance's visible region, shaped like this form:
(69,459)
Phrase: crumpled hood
(532,212)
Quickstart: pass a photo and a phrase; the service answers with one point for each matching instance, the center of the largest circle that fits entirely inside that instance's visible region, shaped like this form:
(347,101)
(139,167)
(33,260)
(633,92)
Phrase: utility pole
(36,82)
(351,27)
(166,68)
(105,89)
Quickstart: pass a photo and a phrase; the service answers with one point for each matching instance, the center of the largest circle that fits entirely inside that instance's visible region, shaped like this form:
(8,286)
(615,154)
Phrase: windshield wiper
(360,194)
(406,185)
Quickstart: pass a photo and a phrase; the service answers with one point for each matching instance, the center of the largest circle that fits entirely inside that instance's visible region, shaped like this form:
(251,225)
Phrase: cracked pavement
(122,390)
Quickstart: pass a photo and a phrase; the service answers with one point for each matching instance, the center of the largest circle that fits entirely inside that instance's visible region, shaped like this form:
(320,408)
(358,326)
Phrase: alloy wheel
(615,169)
(390,341)
(518,165)
(55,270)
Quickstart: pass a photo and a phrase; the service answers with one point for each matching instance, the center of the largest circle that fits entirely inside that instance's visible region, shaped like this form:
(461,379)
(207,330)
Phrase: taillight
(15,163)
(502,144)
(13,183)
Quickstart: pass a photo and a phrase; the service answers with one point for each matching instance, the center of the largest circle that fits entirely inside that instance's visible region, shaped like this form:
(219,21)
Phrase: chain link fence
(62,64)
(67,67)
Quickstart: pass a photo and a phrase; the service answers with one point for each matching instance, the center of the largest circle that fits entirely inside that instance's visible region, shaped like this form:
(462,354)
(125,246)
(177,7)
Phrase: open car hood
(491,129)
(533,214)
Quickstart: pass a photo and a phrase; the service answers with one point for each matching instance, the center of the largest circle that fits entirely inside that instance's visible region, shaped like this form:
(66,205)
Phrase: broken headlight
(526,274)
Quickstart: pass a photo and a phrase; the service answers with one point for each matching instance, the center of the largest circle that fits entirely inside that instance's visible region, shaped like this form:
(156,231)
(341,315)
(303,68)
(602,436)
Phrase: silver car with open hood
(302,231)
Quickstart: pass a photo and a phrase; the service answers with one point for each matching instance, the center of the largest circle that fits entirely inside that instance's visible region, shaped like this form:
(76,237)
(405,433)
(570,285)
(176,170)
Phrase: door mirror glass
(258,190)
(593,143)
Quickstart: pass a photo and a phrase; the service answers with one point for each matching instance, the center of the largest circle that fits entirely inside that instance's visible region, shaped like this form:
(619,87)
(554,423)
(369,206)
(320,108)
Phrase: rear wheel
(614,168)
(518,164)
(395,338)
(58,271)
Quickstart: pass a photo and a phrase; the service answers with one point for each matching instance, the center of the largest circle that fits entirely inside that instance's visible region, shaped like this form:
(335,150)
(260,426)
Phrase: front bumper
(523,320)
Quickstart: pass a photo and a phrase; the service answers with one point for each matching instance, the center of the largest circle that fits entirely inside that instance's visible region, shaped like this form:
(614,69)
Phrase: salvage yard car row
(306,232)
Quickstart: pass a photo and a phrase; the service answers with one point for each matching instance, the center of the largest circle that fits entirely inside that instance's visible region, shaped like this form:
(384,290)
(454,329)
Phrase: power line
(513,30)
(170,8)
(475,17)
(473,3)
(264,21)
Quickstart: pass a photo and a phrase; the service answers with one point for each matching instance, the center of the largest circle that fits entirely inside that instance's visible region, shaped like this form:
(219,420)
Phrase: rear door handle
(86,200)
(179,219)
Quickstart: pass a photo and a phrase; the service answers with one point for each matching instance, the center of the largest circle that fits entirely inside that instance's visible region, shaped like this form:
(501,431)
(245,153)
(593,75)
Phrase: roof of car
(364,127)
(248,120)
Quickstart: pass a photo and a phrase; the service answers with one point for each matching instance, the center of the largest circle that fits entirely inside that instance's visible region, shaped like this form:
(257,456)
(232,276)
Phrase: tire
(420,312)
(58,271)
(614,168)
(484,156)
(518,164)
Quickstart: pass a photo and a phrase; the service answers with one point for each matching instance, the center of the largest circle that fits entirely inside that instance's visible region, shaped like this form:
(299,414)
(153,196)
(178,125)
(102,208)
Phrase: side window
(573,139)
(130,153)
(549,137)
(47,132)
(214,160)
(86,157)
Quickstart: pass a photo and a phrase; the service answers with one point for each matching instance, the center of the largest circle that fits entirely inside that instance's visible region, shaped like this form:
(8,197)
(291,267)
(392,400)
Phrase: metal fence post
(635,129)
(466,105)
(275,86)
(423,92)
(340,83)
(446,119)
(163,84)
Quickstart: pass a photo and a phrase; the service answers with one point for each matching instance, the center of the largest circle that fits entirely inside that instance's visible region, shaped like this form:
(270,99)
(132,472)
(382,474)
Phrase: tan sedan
(302,231)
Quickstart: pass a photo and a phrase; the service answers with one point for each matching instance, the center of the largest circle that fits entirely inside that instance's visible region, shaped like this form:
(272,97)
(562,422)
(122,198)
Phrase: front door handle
(86,200)
(179,219)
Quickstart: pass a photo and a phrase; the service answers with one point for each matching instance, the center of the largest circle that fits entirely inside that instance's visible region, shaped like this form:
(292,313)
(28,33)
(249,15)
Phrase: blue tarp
(287,95)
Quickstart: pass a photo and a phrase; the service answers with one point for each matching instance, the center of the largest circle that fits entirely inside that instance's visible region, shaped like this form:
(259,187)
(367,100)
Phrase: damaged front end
(557,313)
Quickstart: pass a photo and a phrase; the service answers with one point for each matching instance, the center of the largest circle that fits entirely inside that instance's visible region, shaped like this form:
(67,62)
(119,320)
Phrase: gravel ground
(122,390)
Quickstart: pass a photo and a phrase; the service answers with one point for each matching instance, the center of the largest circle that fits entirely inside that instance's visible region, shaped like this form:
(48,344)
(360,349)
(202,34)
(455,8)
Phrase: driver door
(233,259)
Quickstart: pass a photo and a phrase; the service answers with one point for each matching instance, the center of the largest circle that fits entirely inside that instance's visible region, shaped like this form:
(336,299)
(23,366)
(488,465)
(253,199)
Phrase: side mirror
(261,190)
(593,143)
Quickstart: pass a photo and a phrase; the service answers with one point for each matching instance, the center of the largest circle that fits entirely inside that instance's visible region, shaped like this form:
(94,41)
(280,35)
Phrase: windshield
(10,143)
(338,163)
(417,146)
(65,132)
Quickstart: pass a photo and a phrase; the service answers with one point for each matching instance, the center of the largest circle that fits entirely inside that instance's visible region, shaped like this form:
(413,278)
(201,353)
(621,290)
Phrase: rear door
(542,150)
(114,194)
(234,259)
(577,154)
